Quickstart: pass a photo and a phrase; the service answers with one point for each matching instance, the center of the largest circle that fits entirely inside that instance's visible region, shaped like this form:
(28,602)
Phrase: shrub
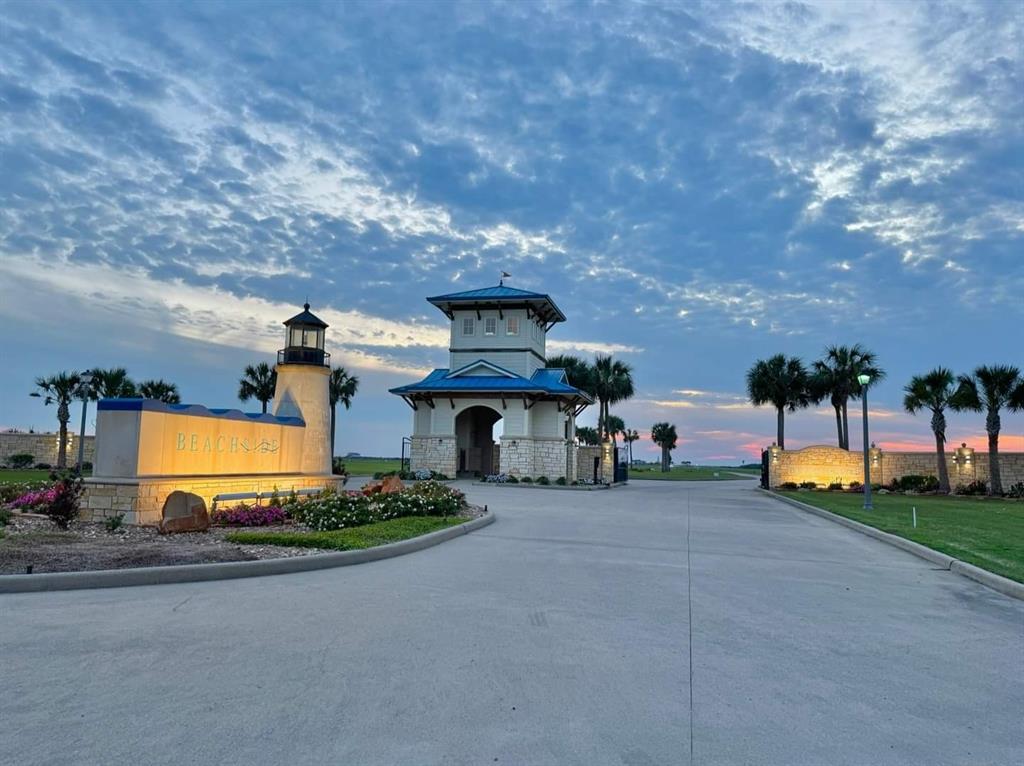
(808,485)
(423,474)
(338,467)
(856,486)
(526,480)
(86,465)
(977,487)
(789,485)
(560,481)
(334,511)
(113,523)
(21,460)
(915,483)
(1017,490)
(544,480)
(5,517)
(43,466)
(513,479)
(442,500)
(835,486)
(495,478)
(248,516)
(353,509)
(64,507)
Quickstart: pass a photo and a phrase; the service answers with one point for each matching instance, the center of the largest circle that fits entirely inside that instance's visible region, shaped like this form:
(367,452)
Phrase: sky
(697,185)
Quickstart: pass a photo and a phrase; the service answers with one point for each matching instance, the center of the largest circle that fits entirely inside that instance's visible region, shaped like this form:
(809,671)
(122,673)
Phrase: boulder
(184,512)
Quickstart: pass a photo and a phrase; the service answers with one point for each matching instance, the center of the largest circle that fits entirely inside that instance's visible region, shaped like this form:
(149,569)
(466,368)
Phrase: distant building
(497,372)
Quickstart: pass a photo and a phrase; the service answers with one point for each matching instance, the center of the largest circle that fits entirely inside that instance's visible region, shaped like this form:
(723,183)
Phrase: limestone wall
(142,500)
(585,462)
(434,453)
(825,465)
(43,447)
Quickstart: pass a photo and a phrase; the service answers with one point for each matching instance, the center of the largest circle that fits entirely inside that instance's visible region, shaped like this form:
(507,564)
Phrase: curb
(118,578)
(1004,585)
(578,488)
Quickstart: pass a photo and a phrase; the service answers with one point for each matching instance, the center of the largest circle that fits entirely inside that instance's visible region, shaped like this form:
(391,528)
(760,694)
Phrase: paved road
(660,623)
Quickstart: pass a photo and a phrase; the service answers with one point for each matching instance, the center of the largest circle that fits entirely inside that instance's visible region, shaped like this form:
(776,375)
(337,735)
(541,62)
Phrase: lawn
(367,536)
(691,473)
(986,533)
(368,466)
(18,476)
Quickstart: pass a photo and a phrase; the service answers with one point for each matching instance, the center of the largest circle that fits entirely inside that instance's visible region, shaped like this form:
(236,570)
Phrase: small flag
(504,275)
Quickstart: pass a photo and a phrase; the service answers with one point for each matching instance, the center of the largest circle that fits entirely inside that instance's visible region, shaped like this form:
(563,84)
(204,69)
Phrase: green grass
(368,466)
(356,538)
(19,476)
(689,473)
(986,533)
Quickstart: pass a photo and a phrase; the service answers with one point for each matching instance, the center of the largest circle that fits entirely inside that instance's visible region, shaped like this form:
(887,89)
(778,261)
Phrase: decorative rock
(184,512)
(391,485)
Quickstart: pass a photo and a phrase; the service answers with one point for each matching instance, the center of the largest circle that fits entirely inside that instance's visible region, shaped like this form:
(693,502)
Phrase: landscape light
(863,379)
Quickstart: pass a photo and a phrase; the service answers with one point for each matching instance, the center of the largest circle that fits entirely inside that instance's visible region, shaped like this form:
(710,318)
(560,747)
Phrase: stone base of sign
(142,499)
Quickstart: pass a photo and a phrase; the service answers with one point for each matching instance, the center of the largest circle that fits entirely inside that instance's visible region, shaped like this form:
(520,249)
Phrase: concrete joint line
(117,578)
(1004,585)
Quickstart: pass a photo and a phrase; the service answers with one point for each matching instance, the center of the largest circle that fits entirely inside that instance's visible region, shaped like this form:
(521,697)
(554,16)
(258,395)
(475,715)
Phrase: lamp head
(864,379)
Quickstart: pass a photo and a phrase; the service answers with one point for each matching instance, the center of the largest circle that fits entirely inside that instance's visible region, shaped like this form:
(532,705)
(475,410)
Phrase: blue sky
(696,184)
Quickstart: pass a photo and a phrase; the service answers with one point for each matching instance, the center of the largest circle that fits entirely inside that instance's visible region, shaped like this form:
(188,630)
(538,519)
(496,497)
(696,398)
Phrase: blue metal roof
(489,293)
(498,296)
(135,404)
(542,382)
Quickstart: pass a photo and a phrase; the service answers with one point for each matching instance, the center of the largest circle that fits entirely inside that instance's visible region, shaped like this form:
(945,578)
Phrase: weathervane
(501,280)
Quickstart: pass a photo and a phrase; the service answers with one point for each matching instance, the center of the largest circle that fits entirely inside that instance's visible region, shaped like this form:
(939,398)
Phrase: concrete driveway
(660,623)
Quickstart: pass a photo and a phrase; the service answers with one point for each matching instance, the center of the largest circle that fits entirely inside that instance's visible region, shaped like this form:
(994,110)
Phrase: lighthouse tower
(302,391)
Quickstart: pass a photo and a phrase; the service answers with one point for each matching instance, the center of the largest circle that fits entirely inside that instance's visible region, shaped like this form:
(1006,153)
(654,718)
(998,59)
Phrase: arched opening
(477,452)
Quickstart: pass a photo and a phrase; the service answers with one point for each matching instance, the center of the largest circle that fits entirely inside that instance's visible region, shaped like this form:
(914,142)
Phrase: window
(468,328)
(490,326)
(512,326)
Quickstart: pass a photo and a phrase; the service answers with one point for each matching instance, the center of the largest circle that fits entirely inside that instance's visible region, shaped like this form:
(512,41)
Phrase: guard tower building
(497,372)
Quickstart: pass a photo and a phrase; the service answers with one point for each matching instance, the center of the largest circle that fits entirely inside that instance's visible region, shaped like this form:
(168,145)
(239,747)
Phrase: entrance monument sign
(148,452)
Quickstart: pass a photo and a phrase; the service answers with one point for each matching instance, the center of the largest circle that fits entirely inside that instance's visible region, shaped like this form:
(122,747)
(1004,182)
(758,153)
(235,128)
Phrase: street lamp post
(864,380)
(85,387)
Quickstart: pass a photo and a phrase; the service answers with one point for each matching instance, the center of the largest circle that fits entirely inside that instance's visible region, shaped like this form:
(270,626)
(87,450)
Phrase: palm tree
(258,382)
(160,390)
(342,388)
(60,389)
(991,389)
(612,382)
(113,384)
(616,426)
(629,436)
(578,371)
(664,435)
(835,377)
(783,382)
(933,391)
(588,436)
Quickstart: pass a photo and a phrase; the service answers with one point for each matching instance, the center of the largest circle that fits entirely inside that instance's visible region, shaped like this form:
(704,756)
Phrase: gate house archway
(477,454)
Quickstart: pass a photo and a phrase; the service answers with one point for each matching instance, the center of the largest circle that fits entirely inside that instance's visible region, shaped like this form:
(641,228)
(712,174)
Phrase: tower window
(512,326)
(490,326)
(468,326)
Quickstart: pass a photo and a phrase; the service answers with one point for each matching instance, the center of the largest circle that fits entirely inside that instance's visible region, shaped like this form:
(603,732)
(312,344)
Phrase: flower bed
(249,516)
(343,510)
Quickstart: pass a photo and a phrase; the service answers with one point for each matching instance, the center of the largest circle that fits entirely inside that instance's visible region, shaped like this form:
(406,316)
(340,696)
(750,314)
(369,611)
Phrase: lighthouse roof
(307,317)
(499,296)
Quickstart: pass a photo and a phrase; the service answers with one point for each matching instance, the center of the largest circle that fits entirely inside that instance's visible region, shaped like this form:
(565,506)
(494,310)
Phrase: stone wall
(535,457)
(585,462)
(142,500)
(434,453)
(43,447)
(825,465)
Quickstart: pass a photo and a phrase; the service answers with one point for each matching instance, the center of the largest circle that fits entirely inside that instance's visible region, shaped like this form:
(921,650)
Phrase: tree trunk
(664,459)
(264,403)
(63,415)
(839,425)
(782,428)
(940,451)
(846,427)
(992,425)
(333,408)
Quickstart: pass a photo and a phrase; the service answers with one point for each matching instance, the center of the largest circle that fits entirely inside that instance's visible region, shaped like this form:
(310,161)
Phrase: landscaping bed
(986,532)
(292,527)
